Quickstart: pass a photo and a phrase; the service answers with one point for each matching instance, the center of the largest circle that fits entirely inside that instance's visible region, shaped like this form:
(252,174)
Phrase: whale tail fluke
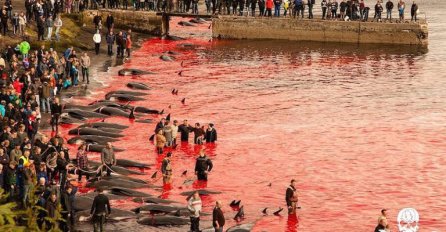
(277,213)
(154,175)
(132,114)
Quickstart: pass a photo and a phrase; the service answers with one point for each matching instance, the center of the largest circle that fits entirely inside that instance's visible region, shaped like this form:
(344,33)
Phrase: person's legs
(42,104)
(96,48)
(96,223)
(83,74)
(109,169)
(310,11)
(87,72)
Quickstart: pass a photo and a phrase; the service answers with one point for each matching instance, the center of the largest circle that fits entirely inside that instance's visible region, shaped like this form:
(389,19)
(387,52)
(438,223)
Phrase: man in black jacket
(68,206)
(389,8)
(185,129)
(119,41)
(99,210)
(218,219)
(310,8)
(110,22)
(211,134)
(203,166)
(56,111)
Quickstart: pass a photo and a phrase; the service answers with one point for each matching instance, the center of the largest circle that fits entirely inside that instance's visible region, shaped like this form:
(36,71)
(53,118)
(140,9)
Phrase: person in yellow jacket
(25,158)
(286,5)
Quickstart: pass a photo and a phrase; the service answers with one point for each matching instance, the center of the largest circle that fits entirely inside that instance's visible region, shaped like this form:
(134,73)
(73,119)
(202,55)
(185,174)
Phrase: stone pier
(320,30)
(140,21)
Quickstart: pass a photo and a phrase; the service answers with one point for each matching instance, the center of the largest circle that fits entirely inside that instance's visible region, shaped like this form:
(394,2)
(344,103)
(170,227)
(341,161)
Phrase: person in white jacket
(97,41)
(58,25)
(194,205)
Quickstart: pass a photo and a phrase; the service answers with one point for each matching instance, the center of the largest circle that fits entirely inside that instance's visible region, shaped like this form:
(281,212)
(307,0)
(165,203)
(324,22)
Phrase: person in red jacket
(128,45)
(269,7)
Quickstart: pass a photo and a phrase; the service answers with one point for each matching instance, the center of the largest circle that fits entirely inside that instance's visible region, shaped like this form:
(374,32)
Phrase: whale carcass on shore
(131,163)
(93,131)
(115,215)
(91,139)
(201,192)
(106,184)
(124,97)
(133,72)
(141,109)
(153,200)
(105,125)
(138,85)
(241,228)
(117,169)
(127,192)
(99,148)
(158,209)
(163,220)
(112,111)
(79,114)
(133,93)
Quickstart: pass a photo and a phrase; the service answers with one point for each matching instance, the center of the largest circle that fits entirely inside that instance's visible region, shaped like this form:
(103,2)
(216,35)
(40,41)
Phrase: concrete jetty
(320,30)
(242,27)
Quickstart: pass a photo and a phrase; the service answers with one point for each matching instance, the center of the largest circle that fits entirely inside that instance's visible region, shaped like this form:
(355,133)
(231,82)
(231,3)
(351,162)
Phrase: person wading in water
(166,168)
(203,166)
(291,197)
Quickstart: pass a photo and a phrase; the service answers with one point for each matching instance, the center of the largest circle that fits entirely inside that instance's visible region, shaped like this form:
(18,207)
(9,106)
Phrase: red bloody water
(359,129)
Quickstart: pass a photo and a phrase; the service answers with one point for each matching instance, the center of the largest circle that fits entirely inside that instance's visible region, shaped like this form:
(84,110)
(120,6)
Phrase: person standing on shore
(261,8)
(97,41)
(334,10)
(22,24)
(85,64)
(56,111)
(218,218)
(128,45)
(110,41)
(203,166)
(110,22)
(108,157)
(58,25)
(389,9)
(119,43)
(324,8)
(49,27)
(414,11)
(99,210)
(277,5)
(310,8)
(291,197)
(269,7)
(401,7)
(194,206)
(82,162)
